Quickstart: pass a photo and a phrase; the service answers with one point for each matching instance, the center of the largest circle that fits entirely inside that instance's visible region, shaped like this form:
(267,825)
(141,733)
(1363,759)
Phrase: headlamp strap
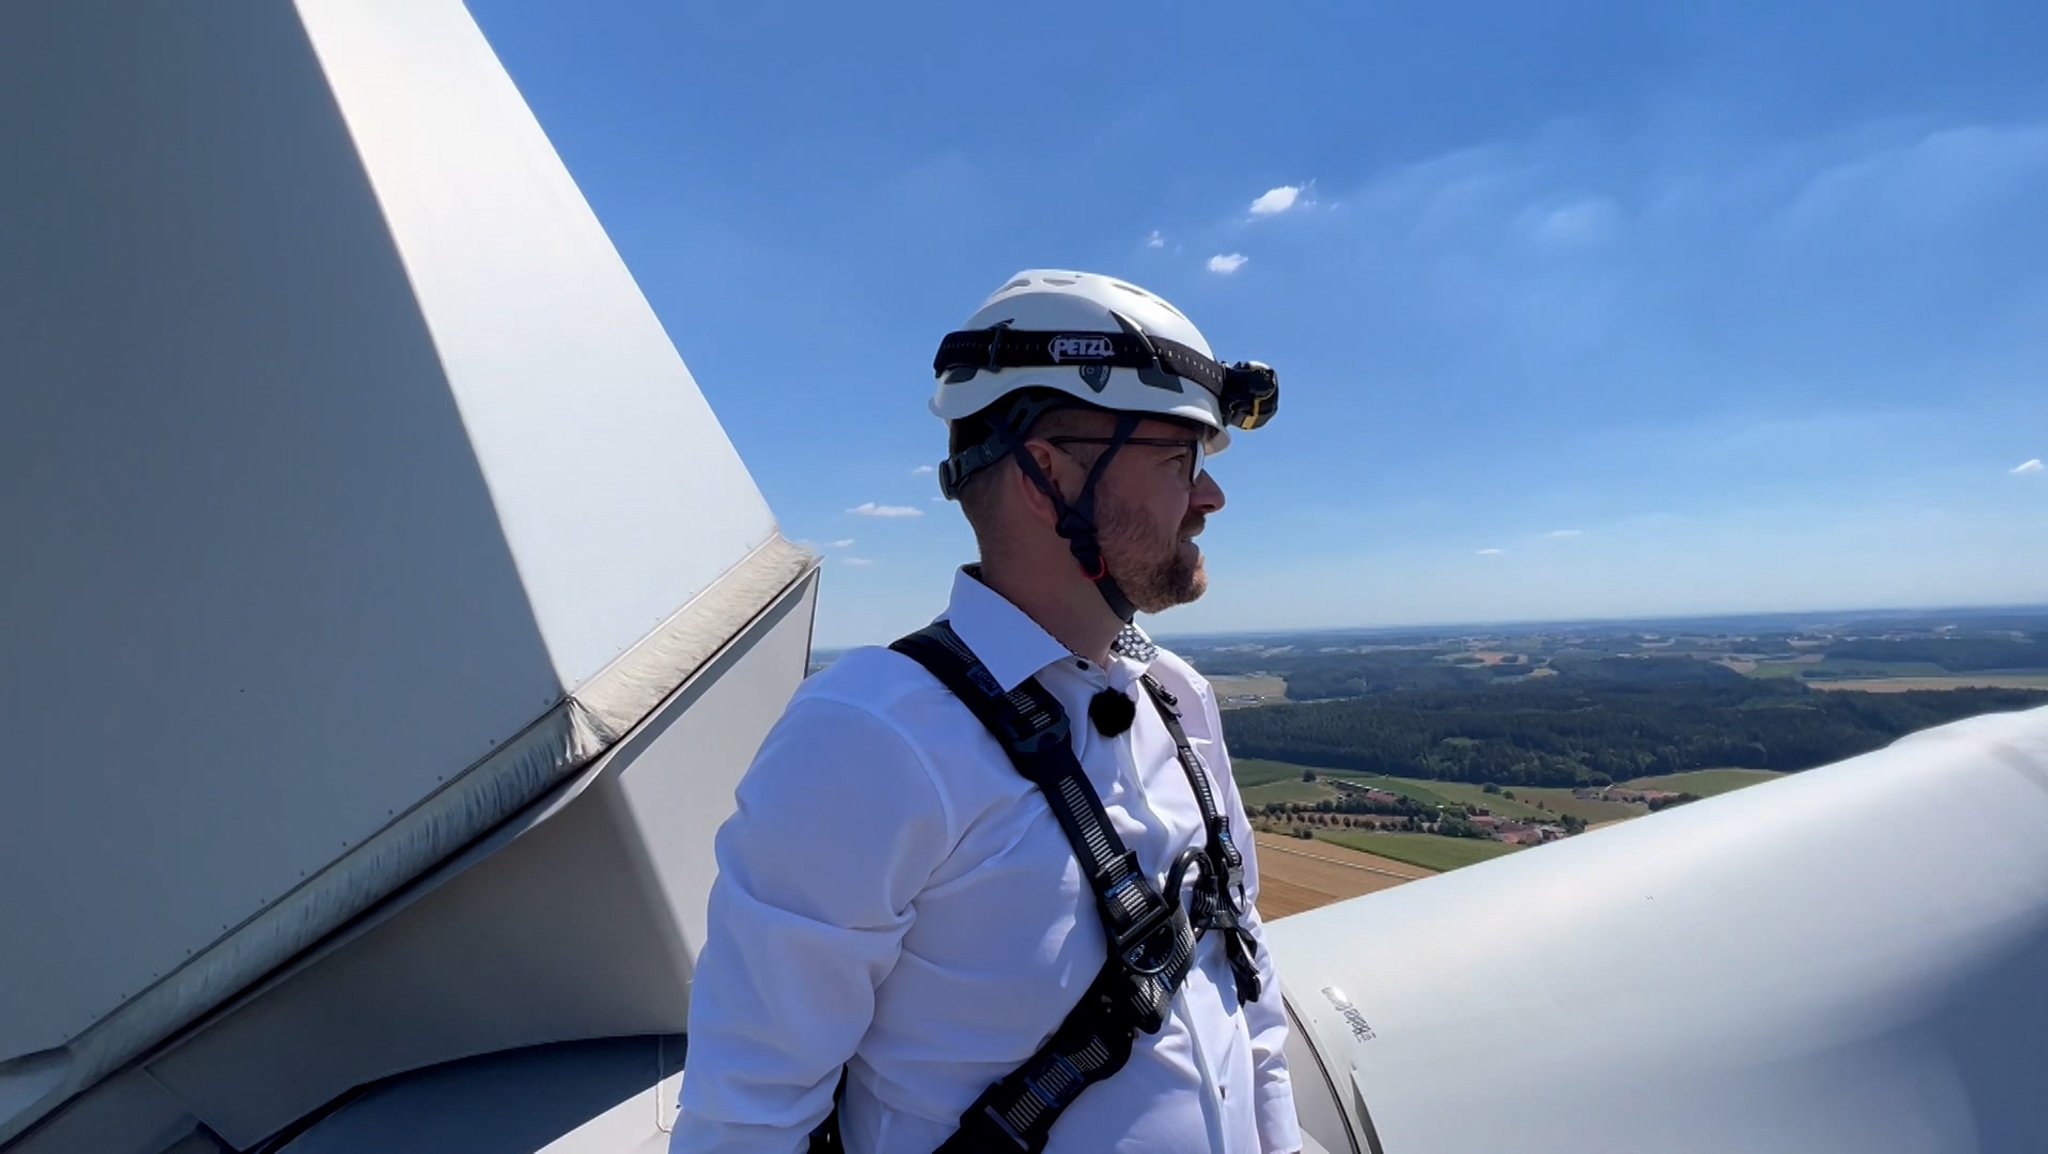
(1006,348)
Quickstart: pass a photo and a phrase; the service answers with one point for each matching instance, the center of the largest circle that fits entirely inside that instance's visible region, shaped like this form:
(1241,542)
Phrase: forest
(1608,721)
(1957,655)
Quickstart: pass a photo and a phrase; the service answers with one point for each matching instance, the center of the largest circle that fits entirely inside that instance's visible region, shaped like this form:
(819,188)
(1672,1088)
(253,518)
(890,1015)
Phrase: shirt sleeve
(838,826)
(1272,1086)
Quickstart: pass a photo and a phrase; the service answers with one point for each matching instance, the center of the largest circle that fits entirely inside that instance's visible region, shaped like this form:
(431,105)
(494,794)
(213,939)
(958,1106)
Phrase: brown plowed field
(1297,875)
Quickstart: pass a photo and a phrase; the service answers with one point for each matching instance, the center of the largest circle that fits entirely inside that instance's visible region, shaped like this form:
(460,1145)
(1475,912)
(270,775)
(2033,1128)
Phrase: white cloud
(1155,240)
(1582,222)
(1275,201)
(2033,466)
(921,470)
(1491,552)
(859,562)
(870,509)
(1561,534)
(938,500)
(843,543)
(1227,264)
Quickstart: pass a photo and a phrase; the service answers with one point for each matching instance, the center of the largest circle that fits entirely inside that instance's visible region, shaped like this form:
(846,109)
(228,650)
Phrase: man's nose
(1207,496)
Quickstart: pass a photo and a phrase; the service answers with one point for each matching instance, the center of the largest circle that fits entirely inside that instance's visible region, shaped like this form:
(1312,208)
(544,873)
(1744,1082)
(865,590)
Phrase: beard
(1153,568)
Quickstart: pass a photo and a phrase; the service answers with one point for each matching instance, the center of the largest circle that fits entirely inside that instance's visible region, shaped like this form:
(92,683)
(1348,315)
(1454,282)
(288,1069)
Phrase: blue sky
(1580,309)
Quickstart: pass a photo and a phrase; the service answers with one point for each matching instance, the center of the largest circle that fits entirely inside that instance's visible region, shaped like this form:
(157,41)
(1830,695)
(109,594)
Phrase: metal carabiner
(1176,875)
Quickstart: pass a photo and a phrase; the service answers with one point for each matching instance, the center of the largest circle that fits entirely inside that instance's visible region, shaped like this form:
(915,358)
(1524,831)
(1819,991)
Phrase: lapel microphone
(1112,712)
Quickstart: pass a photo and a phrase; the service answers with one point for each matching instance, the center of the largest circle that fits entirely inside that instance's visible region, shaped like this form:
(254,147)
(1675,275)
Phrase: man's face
(1147,510)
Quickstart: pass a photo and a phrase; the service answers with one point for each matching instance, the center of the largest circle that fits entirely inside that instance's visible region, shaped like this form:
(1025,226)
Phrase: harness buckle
(1147,948)
(1155,956)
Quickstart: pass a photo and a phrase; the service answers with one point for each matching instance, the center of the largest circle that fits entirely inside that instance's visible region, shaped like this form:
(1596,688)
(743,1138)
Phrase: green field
(1468,795)
(1778,671)
(1705,782)
(1251,771)
(1260,782)
(2015,680)
(1561,801)
(1426,850)
(1276,791)
(1835,668)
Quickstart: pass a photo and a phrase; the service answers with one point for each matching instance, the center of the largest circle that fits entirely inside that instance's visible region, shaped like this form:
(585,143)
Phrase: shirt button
(1080,663)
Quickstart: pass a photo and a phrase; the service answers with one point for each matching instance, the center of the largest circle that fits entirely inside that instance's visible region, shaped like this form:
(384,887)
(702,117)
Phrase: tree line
(1589,730)
(1955,654)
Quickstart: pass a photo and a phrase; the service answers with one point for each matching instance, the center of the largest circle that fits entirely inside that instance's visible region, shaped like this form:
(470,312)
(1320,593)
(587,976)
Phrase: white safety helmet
(1102,341)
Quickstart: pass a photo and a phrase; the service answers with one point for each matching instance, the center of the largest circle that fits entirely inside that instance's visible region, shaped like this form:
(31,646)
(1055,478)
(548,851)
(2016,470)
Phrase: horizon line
(1507,623)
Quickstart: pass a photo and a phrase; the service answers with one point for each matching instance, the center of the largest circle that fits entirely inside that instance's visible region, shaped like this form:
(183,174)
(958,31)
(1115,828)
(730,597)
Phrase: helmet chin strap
(1077,521)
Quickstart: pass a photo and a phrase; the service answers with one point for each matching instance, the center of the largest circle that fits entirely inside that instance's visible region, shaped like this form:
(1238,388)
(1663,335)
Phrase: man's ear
(1028,492)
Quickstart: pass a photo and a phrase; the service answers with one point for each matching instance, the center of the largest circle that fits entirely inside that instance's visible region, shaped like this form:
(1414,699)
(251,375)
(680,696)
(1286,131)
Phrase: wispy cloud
(940,500)
(1952,173)
(1275,201)
(1580,223)
(843,543)
(870,509)
(2033,466)
(1227,264)
(1156,240)
(857,562)
(922,470)
(1561,534)
(1491,552)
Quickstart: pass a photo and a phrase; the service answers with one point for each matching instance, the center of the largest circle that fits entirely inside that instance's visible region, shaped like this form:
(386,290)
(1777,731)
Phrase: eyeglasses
(1198,455)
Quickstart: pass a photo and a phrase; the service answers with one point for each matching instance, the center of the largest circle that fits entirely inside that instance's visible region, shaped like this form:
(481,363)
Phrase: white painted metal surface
(355,496)
(1851,960)
(618,494)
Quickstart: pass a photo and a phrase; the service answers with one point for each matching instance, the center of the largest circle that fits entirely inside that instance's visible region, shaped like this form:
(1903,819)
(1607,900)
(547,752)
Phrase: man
(895,898)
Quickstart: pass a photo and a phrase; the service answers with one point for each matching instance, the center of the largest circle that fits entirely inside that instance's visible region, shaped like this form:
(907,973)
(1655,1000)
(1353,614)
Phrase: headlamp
(1250,394)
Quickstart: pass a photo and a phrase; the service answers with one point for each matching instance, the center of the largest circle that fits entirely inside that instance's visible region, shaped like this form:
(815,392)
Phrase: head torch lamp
(1250,394)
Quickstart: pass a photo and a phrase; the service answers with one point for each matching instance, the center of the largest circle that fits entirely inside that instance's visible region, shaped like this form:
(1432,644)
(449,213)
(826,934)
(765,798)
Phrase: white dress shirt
(894,896)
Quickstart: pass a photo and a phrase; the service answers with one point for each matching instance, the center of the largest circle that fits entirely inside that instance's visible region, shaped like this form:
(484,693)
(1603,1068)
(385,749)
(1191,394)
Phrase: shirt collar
(1011,645)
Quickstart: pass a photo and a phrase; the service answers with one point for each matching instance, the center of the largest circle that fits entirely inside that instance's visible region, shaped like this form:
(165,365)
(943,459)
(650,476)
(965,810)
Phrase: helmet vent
(1060,280)
(1135,291)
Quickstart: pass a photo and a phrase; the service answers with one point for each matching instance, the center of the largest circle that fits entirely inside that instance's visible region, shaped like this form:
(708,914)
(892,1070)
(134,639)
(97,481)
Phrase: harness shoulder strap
(1219,899)
(1151,943)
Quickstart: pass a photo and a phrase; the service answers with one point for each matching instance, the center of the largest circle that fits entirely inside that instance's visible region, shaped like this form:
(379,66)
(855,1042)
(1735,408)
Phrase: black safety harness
(1151,937)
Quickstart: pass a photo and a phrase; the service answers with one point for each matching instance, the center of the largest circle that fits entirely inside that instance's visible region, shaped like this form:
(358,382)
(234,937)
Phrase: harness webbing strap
(1033,729)
(1151,942)
(1217,901)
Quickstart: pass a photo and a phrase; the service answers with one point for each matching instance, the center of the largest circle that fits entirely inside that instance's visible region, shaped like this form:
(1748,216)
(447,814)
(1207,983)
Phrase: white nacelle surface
(354,493)
(1849,960)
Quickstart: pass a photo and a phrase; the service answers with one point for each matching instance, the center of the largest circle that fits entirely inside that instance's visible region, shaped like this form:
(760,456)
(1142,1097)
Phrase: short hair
(977,495)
